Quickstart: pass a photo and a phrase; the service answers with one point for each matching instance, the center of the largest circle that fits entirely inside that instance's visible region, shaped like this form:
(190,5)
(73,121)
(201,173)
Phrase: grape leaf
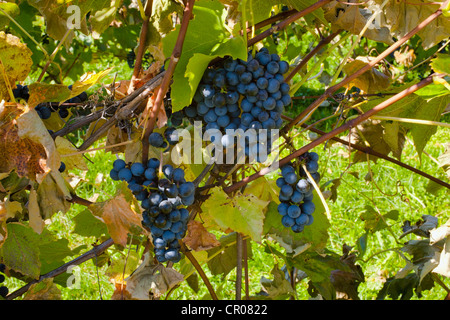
(353,19)
(415,107)
(198,238)
(20,250)
(226,260)
(65,147)
(122,267)
(43,290)
(11,9)
(105,12)
(371,81)
(34,213)
(53,195)
(213,41)
(442,234)
(242,213)
(15,63)
(151,278)
(88,225)
(401,17)
(279,288)
(441,64)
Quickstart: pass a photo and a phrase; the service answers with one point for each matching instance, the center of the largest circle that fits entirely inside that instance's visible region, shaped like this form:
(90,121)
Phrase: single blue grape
(156,139)
(308,207)
(211,116)
(119,164)
(153,163)
(186,189)
(232,78)
(223,121)
(221,111)
(291,178)
(269,103)
(114,174)
(302,219)
(294,211)
(175,215)
(286,190)
(297,197)
(273,67)
(297,228)
(284,67)
(232,97)
(282,208)
(303,185)
(287,221)
(137,169)
(178,175)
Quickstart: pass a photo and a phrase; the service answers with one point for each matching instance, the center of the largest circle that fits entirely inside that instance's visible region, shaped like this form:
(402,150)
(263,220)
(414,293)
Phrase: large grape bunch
(296,192)
(243,95)
(44,110)
(163,193)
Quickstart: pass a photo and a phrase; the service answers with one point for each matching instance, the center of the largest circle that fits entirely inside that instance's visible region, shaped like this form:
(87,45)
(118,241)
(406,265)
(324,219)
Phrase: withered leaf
(198,238)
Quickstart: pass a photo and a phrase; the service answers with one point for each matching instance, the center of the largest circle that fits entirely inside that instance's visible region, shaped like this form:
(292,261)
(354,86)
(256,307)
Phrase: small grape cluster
(243,95)
(296,193)
(3,290)
(163,192)
(45,109)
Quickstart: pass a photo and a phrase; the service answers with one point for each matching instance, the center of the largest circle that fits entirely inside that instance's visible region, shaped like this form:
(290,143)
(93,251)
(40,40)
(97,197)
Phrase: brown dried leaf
(25,144)
(198,238)
(369,133)
(151,280)
(119,218)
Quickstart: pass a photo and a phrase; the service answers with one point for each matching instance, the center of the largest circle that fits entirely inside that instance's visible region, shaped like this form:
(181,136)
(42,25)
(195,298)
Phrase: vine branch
(352,123)
(310,109)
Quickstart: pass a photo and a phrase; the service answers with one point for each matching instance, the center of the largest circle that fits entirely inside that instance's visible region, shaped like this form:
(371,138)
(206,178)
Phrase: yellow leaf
(34,213)
(64,146)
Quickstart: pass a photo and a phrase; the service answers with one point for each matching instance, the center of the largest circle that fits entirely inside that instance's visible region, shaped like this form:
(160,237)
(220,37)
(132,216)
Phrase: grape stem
(174,58)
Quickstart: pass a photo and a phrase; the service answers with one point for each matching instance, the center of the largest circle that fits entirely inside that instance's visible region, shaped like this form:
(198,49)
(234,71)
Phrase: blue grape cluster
(3,289)
(163,193)
(44,110)
(296,193)
(243,95)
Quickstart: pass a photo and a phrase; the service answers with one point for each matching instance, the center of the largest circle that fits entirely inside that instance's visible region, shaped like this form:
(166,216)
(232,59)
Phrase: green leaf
(226,260)
(213,41)
(279,288)
(11,9)
(20,250)
(242,213)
